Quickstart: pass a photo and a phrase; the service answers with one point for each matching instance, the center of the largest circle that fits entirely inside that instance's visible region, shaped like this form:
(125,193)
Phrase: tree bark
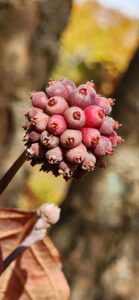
(99,228)
(29,44)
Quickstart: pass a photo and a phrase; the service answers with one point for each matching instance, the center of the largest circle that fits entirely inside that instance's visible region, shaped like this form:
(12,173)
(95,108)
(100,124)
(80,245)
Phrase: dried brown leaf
(37,274)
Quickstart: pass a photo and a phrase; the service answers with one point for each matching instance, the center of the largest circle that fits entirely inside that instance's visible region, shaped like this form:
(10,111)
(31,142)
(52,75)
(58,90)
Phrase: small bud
(48,214)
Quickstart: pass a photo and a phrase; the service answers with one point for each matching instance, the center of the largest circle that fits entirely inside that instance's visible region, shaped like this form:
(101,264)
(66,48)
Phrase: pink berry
(94,116)
(66,169)
(69,85)
(91,137)
(56,105)
(48,140)
(89,162)
(57,124)
(107,126)
(32,112)
(56,89)
(74,117)
(115,139)
(105,103)
(32,136)
(77,154)
(39,99)
(35,151)
(91,91)
(80,97)
(40,121)
(54,156)
(103,147)
(70,138)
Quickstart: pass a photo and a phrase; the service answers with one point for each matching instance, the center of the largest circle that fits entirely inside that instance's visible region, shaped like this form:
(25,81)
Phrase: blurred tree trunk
(99,229)
(29,42)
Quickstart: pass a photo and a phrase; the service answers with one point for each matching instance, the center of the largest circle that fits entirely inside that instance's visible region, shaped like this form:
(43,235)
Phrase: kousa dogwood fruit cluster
(69,129)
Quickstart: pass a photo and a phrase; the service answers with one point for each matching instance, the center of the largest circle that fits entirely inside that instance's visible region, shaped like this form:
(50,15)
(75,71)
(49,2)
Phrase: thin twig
(34,236)
(5,180)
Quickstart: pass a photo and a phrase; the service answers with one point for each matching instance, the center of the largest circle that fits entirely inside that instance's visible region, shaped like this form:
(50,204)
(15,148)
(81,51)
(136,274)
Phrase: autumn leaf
(37,273)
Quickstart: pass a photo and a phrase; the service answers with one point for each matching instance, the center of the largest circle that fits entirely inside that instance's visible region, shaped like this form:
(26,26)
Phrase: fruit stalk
(5,180)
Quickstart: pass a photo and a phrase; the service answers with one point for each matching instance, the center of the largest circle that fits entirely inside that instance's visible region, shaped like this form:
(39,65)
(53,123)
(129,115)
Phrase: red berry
(54,156)
(107,126)
(71,138)
(74,117)
(80,97)
(48,140)
(89,162)
(94,116)
(56,105)
(103,147)
(77,154)
(57,124)
(56,89)
(39,99)
(91,137)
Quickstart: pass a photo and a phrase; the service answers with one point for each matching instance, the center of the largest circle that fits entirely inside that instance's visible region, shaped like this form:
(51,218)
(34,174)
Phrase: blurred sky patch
(129,7)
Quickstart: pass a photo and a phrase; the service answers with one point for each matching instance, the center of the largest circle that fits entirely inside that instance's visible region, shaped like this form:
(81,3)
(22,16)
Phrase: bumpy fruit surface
(54,156)
(71,138)
(69,131)
(105,103)
(89,161)
(56,105)
(108,125)
(94,116)
(57,124)
(56,89)
(80,97)
(75,117)
(39,99)
(103,147)
(77,154)
(49,140)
